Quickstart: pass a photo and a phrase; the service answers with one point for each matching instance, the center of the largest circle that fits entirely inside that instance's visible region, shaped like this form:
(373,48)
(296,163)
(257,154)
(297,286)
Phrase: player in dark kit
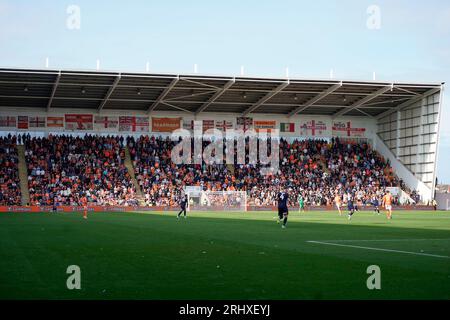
(350,205)
(283,211)
(376,204)
(183,205)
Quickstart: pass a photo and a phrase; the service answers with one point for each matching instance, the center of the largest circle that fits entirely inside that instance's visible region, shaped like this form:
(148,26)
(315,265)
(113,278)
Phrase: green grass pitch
(223,255)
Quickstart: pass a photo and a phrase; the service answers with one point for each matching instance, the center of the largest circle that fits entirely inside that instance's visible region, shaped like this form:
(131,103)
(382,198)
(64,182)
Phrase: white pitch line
(387,240)
(379,249)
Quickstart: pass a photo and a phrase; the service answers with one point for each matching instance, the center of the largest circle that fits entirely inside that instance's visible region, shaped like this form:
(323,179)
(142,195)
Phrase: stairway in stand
(23,175)
(129,165)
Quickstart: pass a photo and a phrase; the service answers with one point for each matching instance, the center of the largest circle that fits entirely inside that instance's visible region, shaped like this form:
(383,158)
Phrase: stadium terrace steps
(23,175)
(130,168)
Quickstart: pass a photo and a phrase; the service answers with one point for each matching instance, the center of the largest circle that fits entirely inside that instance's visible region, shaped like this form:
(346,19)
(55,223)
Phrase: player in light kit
(183,205)
(387,204)
(85,207)
(283,211)
(337,201)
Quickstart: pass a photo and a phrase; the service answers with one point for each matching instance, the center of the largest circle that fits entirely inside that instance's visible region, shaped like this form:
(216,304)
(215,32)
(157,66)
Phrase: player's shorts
(282,211)
(350,207)
(338,205)
(388,207)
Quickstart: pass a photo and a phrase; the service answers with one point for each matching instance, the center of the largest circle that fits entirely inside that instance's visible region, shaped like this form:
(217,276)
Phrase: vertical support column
(397,149)
(439,117)
(419,156)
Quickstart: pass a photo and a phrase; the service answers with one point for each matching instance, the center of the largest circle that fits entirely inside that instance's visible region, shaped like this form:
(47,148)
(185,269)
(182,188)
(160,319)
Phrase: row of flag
(77,122)
(86,122)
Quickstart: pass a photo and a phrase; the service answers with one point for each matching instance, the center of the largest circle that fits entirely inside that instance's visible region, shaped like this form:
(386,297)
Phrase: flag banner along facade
(223,125)
(80,122)
(244,123)
(165,124)
(37,122)
(208,124)
(344,129)
(267,125)
(287,127)
(55,122)
(8,121)
(133,124)
(22,122)
(106,123)
(313,128)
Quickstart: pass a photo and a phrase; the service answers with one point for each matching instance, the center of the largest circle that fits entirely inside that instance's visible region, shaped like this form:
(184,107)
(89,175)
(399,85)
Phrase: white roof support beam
(215,97)
(109,93)
(315,99)
(55,86)
(409,102)
(176,107)
(164,94)
(264,99)
(363,101)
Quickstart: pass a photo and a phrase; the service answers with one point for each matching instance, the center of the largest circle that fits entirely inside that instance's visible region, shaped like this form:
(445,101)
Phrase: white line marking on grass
(387,240)
(379,249)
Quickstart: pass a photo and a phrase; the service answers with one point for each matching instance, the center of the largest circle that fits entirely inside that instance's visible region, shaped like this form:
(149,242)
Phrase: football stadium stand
(105,135)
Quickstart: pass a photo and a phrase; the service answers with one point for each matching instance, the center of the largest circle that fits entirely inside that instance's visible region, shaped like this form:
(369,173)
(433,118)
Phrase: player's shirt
(337,199)
(301,202)
(350,202)
(387,199)
(183,203)
(282,200)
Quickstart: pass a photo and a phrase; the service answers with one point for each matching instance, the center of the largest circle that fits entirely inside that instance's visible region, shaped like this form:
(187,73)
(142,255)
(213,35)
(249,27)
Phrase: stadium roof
(95,91)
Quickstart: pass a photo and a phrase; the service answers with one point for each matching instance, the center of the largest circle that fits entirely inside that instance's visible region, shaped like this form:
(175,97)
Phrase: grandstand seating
(63,168)
(314,168)
(9,173)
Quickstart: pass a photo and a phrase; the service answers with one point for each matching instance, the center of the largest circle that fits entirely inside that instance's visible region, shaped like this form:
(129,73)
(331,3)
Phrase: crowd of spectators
(316,170)
(63,169)
(9,172)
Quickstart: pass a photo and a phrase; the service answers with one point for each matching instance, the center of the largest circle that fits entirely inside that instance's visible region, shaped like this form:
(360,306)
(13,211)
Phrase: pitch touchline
(388,240)
(379,249)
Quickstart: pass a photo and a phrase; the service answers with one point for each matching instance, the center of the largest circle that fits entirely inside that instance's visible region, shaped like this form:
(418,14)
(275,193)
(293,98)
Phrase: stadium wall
(356,127)
(410,139)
